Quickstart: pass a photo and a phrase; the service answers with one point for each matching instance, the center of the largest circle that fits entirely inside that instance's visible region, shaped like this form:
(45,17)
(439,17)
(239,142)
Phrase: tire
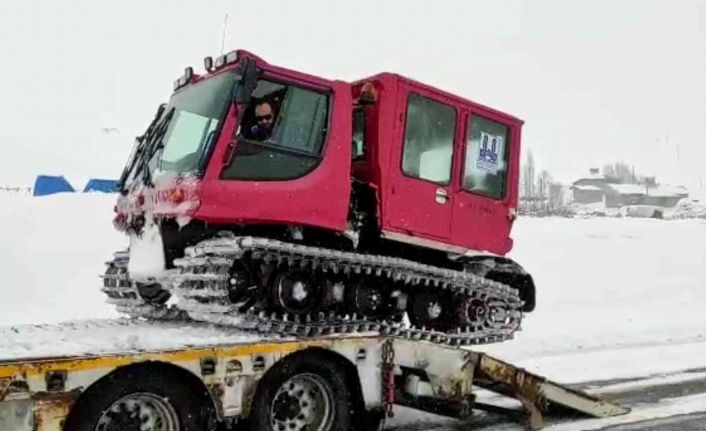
(109,404)
(277,402)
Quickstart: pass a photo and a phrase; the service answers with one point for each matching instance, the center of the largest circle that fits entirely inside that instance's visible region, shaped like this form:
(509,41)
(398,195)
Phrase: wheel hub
(139,412)
(299,292)
(295,292)
(434,310)
(302,404)
(286,408)
(367,298)
(431,309)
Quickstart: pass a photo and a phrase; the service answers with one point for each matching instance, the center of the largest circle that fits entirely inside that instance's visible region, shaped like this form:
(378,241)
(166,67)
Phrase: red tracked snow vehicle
(368,201)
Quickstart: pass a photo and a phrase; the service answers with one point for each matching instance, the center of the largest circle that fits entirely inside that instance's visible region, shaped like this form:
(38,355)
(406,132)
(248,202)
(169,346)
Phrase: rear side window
(358,150)
(487,149)
(428,140)
(301,123)
(294,146)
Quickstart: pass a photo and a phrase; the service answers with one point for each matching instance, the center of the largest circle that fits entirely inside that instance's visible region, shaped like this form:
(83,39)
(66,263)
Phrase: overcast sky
(596,81)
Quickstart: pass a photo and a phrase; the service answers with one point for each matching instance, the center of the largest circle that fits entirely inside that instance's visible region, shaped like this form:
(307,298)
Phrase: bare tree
(528,176)
(556,196)
(544,181)
(620,171)
(540,194)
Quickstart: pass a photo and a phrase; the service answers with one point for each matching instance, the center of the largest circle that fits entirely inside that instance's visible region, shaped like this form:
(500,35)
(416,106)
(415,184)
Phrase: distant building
(596,188)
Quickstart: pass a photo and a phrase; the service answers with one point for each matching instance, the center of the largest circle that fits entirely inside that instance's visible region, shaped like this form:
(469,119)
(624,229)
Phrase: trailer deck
(39,392)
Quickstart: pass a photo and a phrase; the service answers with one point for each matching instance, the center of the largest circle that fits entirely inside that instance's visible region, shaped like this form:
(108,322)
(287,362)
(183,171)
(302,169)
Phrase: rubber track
(201,287)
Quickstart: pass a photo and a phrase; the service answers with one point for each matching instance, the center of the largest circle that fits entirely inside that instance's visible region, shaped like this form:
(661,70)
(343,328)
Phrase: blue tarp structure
(96,185)
(47,185)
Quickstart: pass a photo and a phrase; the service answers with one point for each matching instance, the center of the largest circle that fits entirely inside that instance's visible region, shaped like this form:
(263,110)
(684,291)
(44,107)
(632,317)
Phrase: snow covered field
(608,286)
(617,298)
(52,250)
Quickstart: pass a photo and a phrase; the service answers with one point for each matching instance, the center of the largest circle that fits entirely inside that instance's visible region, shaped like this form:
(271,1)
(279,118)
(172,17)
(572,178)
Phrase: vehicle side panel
(478,223)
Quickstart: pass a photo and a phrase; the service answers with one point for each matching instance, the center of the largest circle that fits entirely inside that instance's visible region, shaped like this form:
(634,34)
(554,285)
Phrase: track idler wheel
(295,291)
(482,312)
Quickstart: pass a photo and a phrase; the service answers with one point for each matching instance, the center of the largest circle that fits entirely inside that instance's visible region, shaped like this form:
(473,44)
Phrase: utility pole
(223,39)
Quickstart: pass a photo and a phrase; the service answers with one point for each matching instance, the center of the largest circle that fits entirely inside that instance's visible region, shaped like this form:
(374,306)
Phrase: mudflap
(147,262)
(538,395)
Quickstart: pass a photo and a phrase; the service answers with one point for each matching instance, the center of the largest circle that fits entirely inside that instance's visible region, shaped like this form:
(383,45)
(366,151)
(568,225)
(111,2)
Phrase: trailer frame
(40,394)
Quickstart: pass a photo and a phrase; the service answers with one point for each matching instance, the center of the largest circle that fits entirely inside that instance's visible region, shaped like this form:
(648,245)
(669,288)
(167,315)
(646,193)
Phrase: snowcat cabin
(446,169)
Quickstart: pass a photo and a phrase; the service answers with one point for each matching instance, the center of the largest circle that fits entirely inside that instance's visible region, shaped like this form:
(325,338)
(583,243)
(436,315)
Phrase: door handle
(441,196)
(228,154)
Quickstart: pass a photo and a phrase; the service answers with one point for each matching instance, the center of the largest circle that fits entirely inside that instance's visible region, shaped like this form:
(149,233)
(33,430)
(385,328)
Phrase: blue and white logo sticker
(489,150)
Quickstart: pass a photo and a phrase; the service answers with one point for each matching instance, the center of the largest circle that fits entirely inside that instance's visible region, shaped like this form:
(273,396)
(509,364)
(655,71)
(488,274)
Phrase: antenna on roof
(223,39)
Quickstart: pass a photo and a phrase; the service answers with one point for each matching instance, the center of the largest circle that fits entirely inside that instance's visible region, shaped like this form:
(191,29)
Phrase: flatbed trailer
(245,381)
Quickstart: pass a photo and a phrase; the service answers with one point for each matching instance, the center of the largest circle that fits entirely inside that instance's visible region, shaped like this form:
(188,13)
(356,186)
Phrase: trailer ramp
(445,381)
(538,395)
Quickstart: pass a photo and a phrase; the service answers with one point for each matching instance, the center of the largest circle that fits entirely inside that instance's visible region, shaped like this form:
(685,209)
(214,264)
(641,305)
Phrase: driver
(264,121)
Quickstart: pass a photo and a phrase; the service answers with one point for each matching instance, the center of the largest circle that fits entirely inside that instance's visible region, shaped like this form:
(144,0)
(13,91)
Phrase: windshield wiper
(140,146)
(154,144)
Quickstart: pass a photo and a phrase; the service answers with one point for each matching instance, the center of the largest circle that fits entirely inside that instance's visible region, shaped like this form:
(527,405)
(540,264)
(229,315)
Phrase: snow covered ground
(606,286)
(617,298)
(52,250)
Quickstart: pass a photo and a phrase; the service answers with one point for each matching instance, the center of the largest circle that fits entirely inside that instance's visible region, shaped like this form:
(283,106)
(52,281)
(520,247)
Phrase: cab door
(419,194)
(485,195)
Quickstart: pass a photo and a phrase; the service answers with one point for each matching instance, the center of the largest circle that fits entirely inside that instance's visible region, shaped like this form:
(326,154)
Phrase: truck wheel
(304,393)
(141,400)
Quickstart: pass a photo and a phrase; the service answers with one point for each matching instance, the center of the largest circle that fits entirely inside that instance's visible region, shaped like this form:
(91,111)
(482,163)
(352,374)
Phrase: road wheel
(431,309)
(295,291)
(142,399)
(304,393)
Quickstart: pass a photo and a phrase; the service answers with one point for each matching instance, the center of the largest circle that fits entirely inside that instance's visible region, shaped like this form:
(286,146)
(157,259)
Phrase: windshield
(183,133)
(197,113)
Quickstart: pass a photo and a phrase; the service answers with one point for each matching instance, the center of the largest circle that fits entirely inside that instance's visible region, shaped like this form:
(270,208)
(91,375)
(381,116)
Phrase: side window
(358,151)
(428,140)
(485,167)
(301,124)
(281,134)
